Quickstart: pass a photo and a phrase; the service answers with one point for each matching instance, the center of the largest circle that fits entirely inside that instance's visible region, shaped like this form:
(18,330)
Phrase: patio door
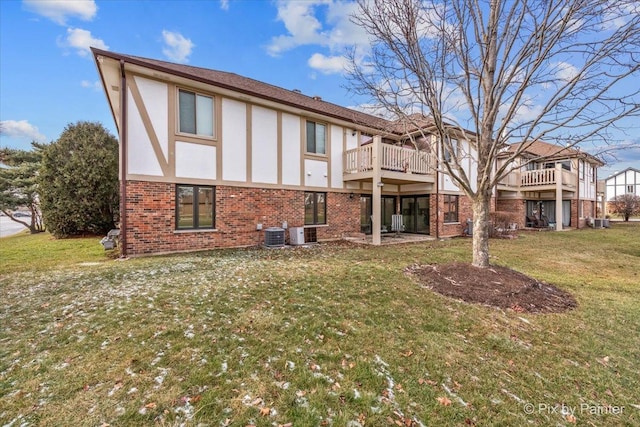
(415,214)
(388,208)
(538,208)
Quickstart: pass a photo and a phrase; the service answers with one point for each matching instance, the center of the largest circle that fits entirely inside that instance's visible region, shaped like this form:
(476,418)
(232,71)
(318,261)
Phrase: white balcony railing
(393,158)
(545,177)
(538,177)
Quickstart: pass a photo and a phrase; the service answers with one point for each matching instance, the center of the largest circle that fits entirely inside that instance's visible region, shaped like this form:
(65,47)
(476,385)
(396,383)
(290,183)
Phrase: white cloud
(81,40)
(317,22)
(302,26)
(61,10)
(224,4)
(618,14)
(21,129)
(328,64)
(91,85)
(526,111)
(565,71)
(177,47)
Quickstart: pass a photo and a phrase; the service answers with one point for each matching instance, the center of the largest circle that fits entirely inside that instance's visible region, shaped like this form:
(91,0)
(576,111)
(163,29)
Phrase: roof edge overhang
(126,59)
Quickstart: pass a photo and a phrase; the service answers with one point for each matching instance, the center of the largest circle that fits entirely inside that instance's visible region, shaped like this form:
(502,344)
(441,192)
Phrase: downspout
(123,161)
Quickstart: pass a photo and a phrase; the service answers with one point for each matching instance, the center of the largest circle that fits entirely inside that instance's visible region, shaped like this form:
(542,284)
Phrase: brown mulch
(494,286)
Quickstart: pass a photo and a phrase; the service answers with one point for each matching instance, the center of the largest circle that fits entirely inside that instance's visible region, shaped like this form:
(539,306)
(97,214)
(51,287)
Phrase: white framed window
(316,138)
(195,113)
(448,155)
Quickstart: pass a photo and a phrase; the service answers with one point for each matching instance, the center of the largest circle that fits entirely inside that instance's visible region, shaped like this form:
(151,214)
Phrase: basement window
(195,207)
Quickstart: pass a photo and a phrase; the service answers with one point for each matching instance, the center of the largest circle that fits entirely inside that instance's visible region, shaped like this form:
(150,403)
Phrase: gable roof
(248,86)
(551,151)
(629,169)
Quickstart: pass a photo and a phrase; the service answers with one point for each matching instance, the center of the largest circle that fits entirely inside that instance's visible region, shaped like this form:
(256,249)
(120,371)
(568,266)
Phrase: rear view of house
(211,159)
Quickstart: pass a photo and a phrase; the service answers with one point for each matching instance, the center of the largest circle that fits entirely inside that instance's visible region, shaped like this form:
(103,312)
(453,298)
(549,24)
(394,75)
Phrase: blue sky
(48,79)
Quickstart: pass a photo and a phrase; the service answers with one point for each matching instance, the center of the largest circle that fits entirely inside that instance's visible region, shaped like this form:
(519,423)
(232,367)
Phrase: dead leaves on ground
(444,401)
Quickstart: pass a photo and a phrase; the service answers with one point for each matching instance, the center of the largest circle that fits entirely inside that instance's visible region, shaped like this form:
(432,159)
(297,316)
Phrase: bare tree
(626,205)
(561,71)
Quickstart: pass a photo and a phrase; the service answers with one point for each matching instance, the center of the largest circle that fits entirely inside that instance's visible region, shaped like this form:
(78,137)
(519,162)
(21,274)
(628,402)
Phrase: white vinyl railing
(538,177)
(393,158)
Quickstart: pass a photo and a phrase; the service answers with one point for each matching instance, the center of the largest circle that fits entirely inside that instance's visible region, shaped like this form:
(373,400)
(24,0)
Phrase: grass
(38,252)
(333,334)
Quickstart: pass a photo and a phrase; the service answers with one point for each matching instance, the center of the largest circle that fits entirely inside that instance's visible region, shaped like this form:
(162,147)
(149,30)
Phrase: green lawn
(334,334)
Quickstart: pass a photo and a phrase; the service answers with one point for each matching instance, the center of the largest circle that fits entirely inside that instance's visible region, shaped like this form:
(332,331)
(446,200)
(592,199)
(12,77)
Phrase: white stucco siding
(264,144)
(352,139)
(471,165)
(195,161)
(621,183)
(587,190)
(141,159)
(315,173)
(234,140)
(290,149)
(155,97)
(337,133)
(447,183)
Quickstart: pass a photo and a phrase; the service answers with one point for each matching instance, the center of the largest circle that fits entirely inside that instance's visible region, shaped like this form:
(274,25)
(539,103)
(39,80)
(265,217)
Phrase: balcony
(540,179)
(395,163)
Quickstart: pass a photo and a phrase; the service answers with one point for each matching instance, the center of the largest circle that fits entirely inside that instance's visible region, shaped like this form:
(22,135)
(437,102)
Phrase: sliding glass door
(415,214)
(388,208)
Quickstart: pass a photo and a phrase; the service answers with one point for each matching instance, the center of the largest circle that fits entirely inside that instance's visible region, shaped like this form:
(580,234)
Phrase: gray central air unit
(274,237)
(296,235)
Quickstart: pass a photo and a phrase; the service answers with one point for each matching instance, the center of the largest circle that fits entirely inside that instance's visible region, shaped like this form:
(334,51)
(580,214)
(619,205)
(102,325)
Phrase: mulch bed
(494,286)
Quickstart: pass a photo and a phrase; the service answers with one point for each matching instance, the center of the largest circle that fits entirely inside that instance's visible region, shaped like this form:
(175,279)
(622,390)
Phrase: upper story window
(566,165)
(195,113)
(447,155)
(581,168)
(630,189)
(316,138)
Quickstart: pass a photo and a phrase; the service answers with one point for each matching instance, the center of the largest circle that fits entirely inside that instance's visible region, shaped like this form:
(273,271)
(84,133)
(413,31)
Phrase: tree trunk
(480,206)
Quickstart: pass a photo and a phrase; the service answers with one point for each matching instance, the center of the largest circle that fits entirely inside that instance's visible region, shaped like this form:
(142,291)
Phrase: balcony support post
(376,199)
(559,213)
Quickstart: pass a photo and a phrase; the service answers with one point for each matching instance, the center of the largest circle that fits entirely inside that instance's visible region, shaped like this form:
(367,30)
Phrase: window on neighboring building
(566,165)
(316,138)
(315,208)
(195,113)
(195,207)
(450,208)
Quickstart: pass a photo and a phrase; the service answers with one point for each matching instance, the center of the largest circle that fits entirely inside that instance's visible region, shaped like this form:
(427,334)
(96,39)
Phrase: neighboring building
(208,158)
(553,182)
(211,159)
(618,184)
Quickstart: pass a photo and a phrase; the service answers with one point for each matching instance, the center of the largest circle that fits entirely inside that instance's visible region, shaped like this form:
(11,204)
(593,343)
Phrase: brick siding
(150,212)
(517,207)
(465,212)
